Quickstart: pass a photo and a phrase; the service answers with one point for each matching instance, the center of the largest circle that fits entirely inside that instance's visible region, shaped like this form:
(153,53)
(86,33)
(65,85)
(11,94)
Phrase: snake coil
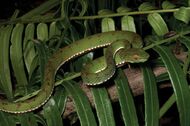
(90,43)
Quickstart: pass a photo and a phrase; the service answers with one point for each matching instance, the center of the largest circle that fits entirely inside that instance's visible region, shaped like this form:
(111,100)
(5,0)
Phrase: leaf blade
(158,24)
(150,97)
(103,107)
(126,102)
(128,24)
(179,83)
(16,55)
(83,108)
(5,76)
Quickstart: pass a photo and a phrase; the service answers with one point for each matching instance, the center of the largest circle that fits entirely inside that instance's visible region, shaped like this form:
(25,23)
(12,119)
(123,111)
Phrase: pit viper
(122,46)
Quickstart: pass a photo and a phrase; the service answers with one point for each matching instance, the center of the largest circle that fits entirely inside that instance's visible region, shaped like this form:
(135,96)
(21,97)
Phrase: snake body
(76,49)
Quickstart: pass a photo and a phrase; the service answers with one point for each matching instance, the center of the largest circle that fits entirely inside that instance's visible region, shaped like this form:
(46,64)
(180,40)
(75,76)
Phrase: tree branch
(135,79)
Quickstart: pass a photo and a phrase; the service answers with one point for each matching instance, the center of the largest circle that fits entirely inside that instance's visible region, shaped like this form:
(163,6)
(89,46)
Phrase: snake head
(134,55)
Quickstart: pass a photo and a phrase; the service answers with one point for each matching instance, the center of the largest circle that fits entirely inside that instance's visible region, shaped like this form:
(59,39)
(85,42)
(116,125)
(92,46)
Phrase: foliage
(27,41)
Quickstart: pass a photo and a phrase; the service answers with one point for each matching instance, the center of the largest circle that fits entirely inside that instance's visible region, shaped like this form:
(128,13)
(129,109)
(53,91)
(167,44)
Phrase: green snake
(118,51)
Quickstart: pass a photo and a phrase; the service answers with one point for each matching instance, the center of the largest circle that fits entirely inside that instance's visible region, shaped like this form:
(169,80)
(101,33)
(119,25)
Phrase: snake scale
(122,46)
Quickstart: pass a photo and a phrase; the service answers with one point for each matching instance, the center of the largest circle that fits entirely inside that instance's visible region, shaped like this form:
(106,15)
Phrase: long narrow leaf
(28,119)
(123,9)
(167,105)
(158,24)
(103,107)
(6,119)
(150,97)
(146,6)
(5,76)
(42,56)
(16,55)
(126,100)
(40,120)
(42,32)
(108,24)
(60,98)
(168,5)
(179,83)
(52,114)
(128,24)
(82,104)
(54,33)
(183,14)
(28,47)
(186,41)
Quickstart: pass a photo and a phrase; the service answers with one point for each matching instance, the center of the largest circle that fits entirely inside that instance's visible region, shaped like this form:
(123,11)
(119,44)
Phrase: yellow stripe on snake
(122,47)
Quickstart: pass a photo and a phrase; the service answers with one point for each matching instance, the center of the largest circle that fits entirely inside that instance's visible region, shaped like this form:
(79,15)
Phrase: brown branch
(135,79)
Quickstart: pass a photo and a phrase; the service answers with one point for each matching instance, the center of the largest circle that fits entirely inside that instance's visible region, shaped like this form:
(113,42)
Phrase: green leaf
(16,55)
(5,77)
(28,119)
(105,12)
(103,107)
(54,30)
(150,97)
(179,83)
(123,9)
(107,24)
(42,32)
(186,41)
(82,104)
(126,101)
(146,6)
(40,120)
(162,77)
(84,5)
(33,66)
(6,119)
(158,24)
(54,34)
(52,114)
(183,14)
(168,5)
(65,23)
(15,14)
(28,47)
(60,98)
(43,55)
(167,105)
(128,24)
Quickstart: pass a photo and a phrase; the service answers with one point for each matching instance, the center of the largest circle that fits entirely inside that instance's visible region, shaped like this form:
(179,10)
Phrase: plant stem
(48,5)
(166,40)
(123,14)
(41,19)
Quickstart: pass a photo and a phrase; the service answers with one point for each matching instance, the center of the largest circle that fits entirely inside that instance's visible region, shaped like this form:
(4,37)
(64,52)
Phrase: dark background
(7,7)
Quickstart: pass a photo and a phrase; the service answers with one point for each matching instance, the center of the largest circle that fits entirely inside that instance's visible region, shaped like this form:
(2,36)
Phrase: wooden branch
(135,79)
